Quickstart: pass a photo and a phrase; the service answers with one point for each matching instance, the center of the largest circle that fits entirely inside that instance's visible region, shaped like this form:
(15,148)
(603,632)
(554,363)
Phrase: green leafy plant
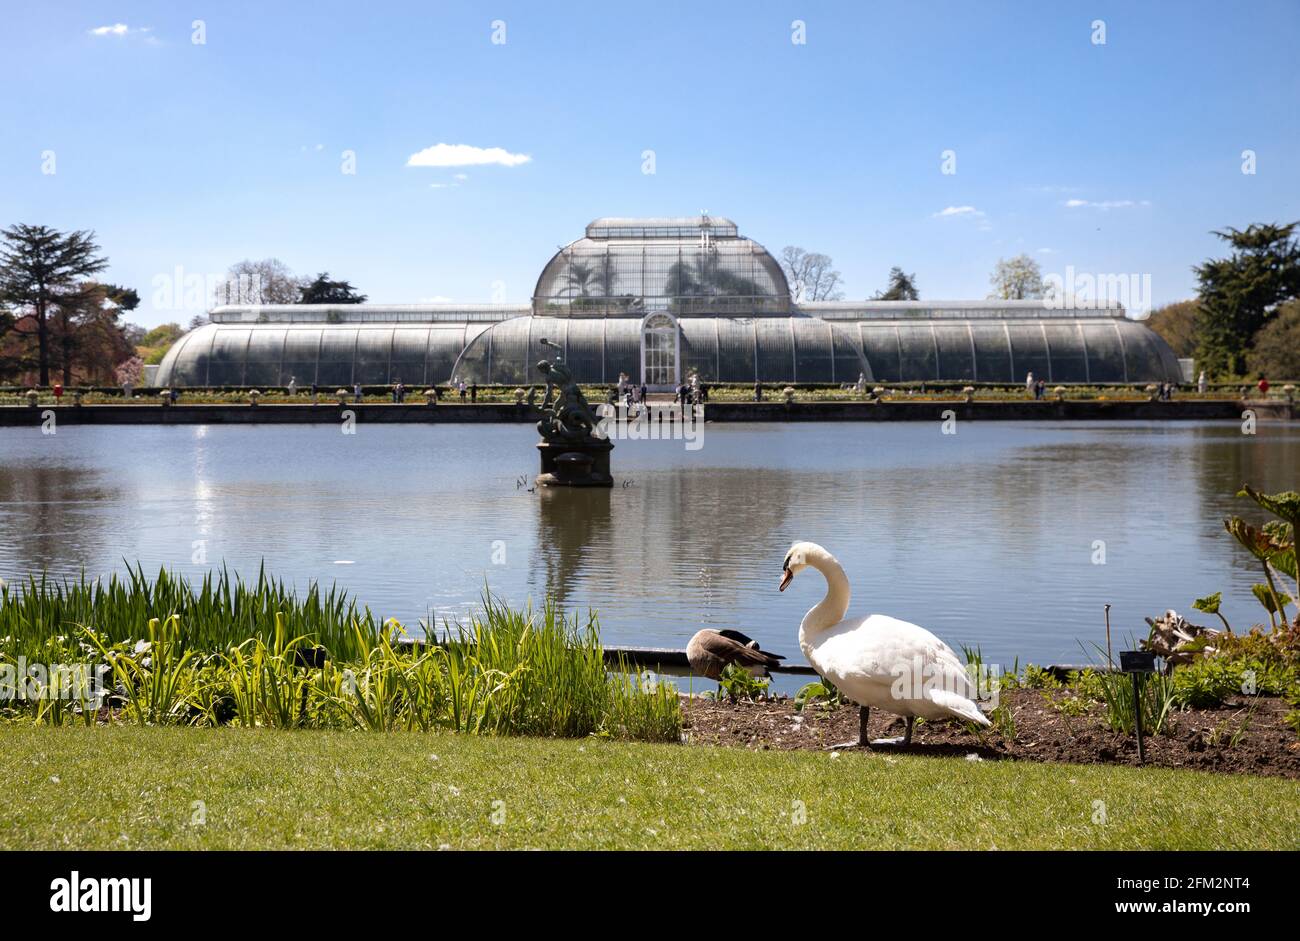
(1272,545)
(819,691)
(739,685)
(1210,605)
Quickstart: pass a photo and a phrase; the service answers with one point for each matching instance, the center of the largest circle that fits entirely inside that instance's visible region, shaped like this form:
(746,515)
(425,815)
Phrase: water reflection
(988,537)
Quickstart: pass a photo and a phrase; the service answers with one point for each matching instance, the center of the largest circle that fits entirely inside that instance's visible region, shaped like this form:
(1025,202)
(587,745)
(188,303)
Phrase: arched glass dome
(687,266)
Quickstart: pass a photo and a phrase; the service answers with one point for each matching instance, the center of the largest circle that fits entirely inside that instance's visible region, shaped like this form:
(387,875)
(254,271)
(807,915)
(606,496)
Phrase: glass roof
(688,267)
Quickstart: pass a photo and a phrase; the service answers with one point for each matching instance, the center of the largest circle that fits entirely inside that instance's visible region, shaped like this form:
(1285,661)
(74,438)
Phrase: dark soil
(1199,739)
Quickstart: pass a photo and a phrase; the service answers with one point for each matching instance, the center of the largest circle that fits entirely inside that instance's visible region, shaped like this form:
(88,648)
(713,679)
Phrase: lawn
(131,787)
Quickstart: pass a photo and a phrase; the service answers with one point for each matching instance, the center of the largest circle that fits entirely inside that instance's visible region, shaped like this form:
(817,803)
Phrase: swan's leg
(863,713)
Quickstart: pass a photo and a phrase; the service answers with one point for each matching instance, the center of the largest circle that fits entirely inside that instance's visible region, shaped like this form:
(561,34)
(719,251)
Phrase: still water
(991,536)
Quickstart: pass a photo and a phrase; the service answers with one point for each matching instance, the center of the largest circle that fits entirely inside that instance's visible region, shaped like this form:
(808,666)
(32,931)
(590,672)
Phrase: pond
(1010,536)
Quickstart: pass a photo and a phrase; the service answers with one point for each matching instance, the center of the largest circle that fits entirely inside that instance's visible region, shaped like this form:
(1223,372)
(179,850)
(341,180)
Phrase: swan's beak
(786,577)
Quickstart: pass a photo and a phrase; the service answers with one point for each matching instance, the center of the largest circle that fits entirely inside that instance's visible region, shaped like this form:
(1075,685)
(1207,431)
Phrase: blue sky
(1114,158)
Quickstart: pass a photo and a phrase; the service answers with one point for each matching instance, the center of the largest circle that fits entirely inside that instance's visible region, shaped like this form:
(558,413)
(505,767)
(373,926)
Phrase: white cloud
(1047,251)
(119,29)
(460,176)
(958,211)
(441,186)
(465,155)
(1105,203)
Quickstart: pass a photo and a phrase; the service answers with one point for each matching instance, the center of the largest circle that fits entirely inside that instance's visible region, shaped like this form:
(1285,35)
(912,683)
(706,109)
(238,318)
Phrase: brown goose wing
(746,640)
(718,648)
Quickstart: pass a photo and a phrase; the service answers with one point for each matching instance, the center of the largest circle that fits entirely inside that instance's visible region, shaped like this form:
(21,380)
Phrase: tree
(1276,351)
(268,281)
(1176,323)
(1238,293)
(37,266)
(812,276)
(118,296)
(324,291)
(902,287)
(1016,279)
(91,339)
(153,346)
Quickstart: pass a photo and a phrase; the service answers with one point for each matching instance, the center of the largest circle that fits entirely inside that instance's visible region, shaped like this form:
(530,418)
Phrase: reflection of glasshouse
(659,299)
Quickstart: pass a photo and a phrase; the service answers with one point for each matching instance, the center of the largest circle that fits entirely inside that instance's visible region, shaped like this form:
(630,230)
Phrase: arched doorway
(660,352)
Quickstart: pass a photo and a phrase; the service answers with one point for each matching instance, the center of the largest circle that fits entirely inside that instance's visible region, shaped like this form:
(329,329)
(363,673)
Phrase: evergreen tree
(324,291)
(902,287)
(38,266)
(1240,292)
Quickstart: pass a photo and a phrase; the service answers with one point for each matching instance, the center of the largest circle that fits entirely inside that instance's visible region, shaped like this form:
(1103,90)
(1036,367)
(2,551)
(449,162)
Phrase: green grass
(125,787)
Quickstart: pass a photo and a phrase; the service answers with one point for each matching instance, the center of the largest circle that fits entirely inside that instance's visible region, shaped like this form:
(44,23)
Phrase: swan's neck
(831,609)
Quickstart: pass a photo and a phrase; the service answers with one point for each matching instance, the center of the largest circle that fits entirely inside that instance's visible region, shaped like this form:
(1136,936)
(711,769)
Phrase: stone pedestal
(577,464)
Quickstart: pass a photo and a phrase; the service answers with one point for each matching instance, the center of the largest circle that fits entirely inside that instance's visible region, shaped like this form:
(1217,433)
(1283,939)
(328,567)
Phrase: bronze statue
(572,454)
(567,417)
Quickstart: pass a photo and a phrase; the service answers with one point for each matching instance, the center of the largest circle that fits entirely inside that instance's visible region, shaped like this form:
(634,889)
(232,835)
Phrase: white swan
(878,660)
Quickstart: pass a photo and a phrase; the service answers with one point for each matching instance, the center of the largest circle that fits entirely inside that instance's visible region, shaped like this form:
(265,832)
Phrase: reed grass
(255,655)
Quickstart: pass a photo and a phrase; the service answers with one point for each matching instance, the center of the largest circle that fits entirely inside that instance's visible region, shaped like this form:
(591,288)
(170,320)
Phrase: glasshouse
(660,300)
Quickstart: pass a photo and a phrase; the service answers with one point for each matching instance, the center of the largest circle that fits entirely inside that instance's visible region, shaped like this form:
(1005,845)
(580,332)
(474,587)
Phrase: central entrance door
(660,352)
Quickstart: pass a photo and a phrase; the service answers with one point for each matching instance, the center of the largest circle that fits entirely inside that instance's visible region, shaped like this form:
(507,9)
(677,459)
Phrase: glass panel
(374,349)
(1105,356)
(586,353)
(775,349)
(918,354)
(473,363)
(338,348)
(880,347)
(265,349)
(301,353)
(955,361)
(622,349)
(1066,349)
(409,346)
(736,350)
(1028,350)
(444,346)
(849,363)
(699,349)
(192,359)
(814,361)
(992,355)
(226,365)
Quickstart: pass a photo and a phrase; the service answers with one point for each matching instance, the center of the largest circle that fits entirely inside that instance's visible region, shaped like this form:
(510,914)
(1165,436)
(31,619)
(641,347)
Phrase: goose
(709,652)
(878,660)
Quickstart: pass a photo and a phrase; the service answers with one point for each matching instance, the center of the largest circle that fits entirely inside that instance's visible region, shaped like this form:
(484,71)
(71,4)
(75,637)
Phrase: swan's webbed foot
(904,739)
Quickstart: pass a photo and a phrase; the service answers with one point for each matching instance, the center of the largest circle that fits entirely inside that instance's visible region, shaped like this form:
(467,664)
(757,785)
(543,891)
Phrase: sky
(1100,138)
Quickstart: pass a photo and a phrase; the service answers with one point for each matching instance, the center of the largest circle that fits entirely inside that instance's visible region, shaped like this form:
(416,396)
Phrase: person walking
(1202,383)
(293,385)
(1262,386)
(356,392)
(1029,385)
(460,387)
(473,392)
(315,394)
